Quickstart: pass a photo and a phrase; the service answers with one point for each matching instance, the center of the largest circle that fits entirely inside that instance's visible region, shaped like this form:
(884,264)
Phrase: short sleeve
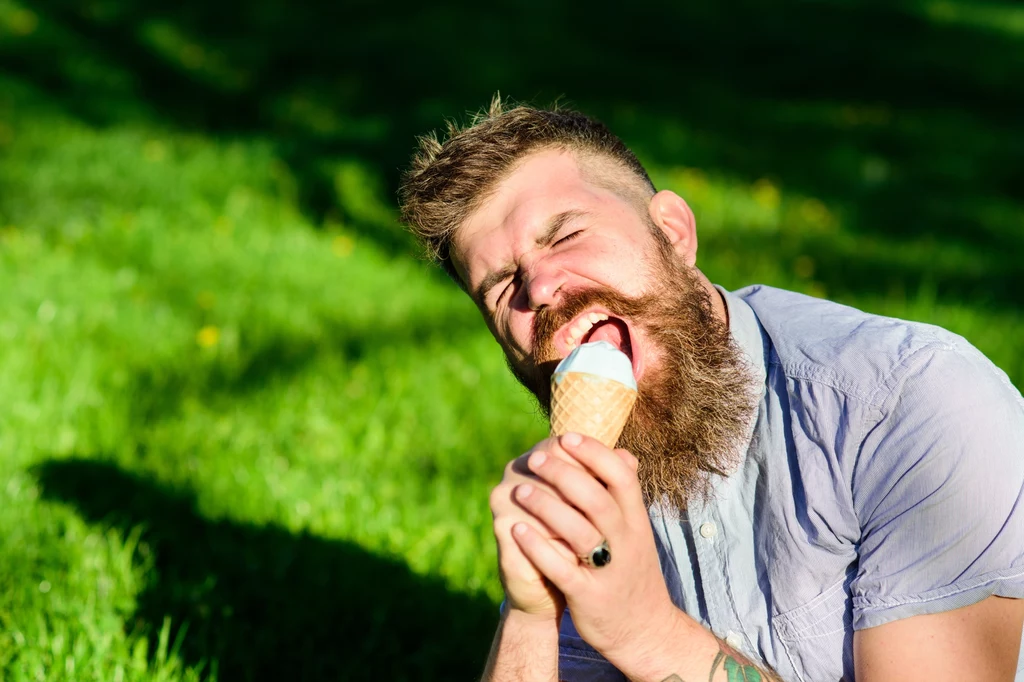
(939,489)
(578,661)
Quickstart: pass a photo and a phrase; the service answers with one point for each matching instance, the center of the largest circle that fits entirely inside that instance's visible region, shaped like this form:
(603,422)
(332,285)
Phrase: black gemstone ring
(598,557)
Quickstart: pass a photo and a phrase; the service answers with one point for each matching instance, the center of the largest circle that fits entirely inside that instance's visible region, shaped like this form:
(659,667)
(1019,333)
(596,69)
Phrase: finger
(564,549)
(506,510)
(607,466)
(517,472)
(580,489)
(564,521)
(549,446)
(629,458)
(562,572)
(519,464)
(513,564)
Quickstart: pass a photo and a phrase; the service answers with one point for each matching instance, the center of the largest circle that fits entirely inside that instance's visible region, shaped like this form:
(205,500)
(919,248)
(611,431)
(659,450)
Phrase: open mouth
(598,325)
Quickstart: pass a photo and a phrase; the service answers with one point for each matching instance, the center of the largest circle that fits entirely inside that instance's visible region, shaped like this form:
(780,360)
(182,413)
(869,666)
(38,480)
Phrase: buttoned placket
(703,586)
(710,544)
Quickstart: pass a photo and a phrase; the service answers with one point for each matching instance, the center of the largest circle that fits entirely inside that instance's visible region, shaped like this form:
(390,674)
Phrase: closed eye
(506,286)
(569,237)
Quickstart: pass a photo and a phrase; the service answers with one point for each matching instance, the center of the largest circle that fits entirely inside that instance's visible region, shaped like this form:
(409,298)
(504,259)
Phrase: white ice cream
(600,358)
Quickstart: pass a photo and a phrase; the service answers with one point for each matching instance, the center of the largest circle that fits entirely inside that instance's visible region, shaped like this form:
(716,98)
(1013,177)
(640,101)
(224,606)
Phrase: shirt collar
(745,330)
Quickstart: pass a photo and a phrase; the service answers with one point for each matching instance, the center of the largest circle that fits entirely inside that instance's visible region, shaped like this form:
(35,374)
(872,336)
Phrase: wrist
(663,648)
(525,648)
(531,625)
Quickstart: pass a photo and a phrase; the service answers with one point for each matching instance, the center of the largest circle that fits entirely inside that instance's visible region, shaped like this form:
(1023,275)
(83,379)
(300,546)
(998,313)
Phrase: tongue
(614,332)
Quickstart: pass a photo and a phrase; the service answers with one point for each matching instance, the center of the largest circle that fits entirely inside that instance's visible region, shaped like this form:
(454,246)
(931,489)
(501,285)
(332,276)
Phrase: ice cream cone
(591,405)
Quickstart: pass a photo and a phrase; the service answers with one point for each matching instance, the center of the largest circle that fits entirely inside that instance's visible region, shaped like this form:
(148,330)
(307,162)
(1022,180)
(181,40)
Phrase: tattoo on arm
(714,666)
(736,667)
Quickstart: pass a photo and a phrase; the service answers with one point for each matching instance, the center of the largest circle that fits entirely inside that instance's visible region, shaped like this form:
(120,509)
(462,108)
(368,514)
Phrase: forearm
(687,652)
(524,650)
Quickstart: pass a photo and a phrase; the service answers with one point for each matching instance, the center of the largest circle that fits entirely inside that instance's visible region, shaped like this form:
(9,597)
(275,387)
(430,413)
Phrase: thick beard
(695,407)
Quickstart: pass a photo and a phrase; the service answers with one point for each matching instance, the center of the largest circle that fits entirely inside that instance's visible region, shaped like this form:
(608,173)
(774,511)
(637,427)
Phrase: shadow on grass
(270,605)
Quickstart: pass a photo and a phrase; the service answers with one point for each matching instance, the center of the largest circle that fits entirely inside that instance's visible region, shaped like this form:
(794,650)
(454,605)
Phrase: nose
(542,285)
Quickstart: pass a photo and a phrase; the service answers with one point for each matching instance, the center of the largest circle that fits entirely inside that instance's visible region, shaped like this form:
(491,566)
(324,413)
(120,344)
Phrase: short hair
(448,180)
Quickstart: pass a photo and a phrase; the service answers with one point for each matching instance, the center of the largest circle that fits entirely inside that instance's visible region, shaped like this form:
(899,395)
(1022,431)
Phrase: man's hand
(583,493)
(623,609)
(526,589)
(525,647)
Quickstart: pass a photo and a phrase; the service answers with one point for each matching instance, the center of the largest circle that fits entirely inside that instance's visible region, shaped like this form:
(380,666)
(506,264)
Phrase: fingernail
(524,491)
(519,528)
(538,459)
(572,439)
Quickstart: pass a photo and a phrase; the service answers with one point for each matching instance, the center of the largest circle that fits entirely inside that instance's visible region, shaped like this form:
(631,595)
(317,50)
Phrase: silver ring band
(597,557)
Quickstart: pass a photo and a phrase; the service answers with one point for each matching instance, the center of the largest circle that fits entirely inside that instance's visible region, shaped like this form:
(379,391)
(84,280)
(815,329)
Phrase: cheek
(616,266)
(512,332)
(520,330)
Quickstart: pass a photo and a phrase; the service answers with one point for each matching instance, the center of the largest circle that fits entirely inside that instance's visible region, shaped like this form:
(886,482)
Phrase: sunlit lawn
(185,358)
(238,444)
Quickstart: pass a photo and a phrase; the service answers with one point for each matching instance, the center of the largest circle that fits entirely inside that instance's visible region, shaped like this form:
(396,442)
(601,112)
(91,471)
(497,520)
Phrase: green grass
(244,435)
(302,429)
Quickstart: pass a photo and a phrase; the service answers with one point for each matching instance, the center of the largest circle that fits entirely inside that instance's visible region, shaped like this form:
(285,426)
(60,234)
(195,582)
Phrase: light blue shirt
(884,478)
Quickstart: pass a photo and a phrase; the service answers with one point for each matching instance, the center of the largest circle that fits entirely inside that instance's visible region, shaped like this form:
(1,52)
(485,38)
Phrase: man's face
(554,261)
(544,236)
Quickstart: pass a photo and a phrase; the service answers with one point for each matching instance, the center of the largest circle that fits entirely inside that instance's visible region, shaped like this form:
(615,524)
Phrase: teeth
(582,326)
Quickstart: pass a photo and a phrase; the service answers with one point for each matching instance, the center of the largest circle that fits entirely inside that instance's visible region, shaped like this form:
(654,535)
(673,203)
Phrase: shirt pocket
(817,637)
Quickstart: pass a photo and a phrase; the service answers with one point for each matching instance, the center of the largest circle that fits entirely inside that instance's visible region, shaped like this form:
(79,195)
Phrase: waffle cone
(591,405)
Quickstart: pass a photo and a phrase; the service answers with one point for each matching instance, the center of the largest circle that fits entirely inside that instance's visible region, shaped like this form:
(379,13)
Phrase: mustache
(549,320)
(536,375)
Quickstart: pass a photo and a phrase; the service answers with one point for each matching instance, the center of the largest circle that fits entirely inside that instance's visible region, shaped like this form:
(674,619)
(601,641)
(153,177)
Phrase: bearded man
(803,492)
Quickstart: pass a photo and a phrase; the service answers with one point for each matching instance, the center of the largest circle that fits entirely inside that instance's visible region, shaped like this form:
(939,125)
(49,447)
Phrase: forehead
(542,185)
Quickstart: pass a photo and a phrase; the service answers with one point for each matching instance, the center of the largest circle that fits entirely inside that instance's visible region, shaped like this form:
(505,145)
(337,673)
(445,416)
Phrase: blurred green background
(247,434)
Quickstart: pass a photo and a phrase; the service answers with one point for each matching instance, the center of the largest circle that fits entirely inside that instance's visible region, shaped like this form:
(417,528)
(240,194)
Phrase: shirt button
(733,640)
(708,530)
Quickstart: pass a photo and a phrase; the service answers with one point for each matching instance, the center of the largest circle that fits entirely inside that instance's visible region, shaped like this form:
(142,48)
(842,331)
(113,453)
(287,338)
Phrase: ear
(673,215)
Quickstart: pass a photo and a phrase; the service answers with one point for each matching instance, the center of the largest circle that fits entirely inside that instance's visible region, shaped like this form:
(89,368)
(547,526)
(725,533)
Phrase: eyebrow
(546,238)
